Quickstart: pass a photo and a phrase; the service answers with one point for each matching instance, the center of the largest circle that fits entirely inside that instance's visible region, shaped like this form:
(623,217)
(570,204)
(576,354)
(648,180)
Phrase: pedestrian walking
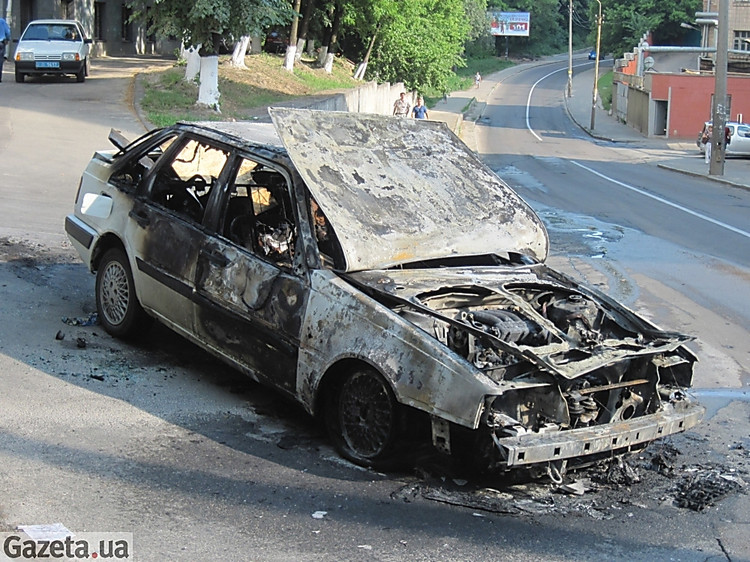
(4,40)
(477,79)
(401,106)
(707,141)
(420,110)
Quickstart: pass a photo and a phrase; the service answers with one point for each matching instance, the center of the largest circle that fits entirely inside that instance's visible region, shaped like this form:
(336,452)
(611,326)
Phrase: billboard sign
(513,24)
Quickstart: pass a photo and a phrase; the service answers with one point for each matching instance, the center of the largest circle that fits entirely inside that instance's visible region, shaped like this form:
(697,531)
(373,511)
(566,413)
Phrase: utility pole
(596,64)
(718,140)
(570,50)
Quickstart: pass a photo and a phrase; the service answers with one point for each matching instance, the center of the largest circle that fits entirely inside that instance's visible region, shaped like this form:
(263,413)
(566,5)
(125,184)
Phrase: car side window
(132,172)
(182,183)
(328,246)
(258,214)
(743,131)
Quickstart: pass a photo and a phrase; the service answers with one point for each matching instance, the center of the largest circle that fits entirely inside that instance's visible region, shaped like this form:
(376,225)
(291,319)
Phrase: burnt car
(376,271)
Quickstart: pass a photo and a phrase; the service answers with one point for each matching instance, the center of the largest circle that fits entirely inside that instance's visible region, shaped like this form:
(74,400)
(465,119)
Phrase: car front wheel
(19,76)
(119,310)
(362,417)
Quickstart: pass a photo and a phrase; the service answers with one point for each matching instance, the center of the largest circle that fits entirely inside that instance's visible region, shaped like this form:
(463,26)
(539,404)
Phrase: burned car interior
(323,255)
(185,176)
(259,213)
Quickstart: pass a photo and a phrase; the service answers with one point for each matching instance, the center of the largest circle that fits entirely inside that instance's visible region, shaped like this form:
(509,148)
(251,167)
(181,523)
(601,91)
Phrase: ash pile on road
(702,488)
(657,477)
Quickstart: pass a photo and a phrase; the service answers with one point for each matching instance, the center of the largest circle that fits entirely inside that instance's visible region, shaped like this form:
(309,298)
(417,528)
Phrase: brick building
(667,91)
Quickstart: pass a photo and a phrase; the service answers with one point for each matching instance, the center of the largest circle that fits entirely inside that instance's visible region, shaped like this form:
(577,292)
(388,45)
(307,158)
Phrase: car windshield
(51,32)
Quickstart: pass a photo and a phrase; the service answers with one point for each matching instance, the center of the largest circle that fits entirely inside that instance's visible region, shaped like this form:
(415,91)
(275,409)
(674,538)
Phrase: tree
(291,48)
(366,18)
(625,22)
(548,28)
(476,16)
(304,29)
(239,52)
(420,42)
(205,22)
(332,37)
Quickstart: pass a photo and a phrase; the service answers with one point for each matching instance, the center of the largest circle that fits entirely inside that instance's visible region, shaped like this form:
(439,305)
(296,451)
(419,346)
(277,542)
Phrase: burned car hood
(528,317)
(403,190)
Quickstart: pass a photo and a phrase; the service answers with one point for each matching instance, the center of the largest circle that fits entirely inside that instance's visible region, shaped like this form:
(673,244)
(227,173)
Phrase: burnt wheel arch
(360,413)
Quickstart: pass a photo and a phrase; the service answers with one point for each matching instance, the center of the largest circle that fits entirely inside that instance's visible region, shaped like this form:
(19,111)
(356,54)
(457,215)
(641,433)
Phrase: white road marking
(630,187)
(528,100)
(665,201)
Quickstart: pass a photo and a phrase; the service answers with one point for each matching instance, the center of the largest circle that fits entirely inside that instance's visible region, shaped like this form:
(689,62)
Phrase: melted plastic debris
(701,488)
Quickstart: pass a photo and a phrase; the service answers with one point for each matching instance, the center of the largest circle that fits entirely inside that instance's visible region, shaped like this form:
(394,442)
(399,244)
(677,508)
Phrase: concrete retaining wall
(370,97)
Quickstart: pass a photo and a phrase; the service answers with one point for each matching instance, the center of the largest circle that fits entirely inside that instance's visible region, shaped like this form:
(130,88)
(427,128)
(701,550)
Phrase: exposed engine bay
(564,358)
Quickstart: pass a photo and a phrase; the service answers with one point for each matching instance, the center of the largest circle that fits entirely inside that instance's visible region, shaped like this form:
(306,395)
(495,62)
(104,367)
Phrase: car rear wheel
(362,417)
(119,310)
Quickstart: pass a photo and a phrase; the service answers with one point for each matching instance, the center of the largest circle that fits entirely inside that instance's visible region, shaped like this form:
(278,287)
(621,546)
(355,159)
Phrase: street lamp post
(570,49)
(718,142)
(596,64)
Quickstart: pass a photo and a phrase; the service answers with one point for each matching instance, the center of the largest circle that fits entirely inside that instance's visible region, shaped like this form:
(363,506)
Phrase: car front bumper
(532,448)
(63,67)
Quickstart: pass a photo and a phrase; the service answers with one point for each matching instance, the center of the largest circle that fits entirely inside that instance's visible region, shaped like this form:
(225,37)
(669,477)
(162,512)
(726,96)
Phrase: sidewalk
(461,110)
(687,158)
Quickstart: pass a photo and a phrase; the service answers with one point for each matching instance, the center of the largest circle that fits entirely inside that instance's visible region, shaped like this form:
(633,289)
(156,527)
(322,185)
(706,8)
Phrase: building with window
(107,22)
(669,92)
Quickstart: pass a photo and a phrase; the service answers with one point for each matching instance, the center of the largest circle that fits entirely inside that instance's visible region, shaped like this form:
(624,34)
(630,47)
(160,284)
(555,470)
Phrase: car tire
(81,74)
(19,76)
(116,302)
(362,417)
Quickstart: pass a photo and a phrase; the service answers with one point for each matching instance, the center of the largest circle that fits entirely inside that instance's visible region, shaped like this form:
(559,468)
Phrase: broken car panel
(374,270)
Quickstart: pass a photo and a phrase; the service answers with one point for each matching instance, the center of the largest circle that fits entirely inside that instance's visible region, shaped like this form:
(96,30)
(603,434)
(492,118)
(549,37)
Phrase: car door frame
(248,309)
(165,277)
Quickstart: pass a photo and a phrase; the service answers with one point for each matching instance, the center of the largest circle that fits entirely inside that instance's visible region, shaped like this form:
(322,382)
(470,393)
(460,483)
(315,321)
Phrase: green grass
(338,79)
(604,85)
(168,98)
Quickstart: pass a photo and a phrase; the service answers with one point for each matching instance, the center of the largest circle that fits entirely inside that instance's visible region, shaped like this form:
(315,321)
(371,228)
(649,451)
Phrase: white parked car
(737,134)
(376,271)
(53,47)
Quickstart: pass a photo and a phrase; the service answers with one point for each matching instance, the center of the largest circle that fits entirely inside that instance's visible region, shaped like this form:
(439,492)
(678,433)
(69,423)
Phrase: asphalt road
(159,440)
(671,245)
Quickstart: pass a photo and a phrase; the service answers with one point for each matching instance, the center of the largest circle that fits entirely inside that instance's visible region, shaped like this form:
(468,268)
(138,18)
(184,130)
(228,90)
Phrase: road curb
(138,93)
(717,179)
(585,129)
